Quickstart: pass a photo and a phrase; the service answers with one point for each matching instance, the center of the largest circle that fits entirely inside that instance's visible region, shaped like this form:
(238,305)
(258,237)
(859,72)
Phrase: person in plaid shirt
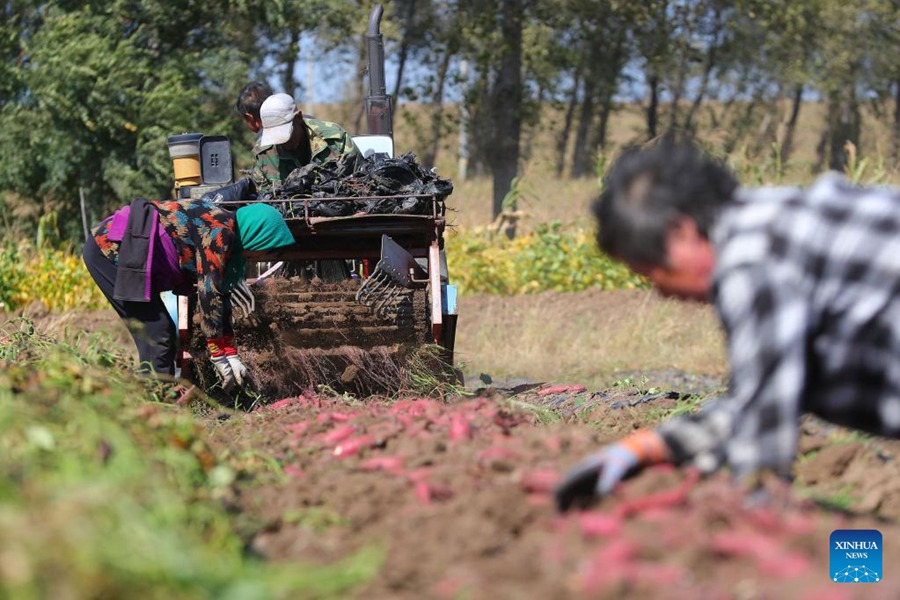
(806,283)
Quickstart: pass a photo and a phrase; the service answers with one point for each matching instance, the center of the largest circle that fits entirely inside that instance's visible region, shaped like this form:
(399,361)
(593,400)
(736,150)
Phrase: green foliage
(57,277)
(428,373)
(118,497)
(550,258)
(758,170)
(861,170)
(100,86)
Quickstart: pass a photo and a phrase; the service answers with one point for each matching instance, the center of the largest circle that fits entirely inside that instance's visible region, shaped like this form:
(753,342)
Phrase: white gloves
(232,372)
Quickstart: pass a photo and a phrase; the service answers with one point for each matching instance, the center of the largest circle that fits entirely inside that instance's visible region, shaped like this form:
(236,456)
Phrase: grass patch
(104,494)
(428,373)
(841,500)
(588,337)
(542,414)
(316,518)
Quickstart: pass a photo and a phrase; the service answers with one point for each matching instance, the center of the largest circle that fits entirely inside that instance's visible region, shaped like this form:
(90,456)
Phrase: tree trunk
(607,90)
(791,125)
(506,106)
(359,90)
(741,125)
(581,155)
(437,114)
(843,126)
(530,128)
(562,141)
(707,72)
(403,53)
(290,55)
(653,107)
(895,137)
(678,89)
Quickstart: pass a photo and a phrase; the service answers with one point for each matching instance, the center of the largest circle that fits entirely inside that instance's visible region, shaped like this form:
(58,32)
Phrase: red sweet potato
(298,429)
(293,471)
(423,492)
(595,524)
(665,499)
(459,427)
(391,464)
(281,404)
(539,480)
(353,446)
(561,389)
(338,434)
(493,453)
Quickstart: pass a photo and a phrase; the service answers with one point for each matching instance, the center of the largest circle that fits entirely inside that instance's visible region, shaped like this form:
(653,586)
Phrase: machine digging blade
(396,270)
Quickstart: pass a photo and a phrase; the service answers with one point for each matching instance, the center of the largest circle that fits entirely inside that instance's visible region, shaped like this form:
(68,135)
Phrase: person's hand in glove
(599,473)
(225,359)
(242,298)
(242,189)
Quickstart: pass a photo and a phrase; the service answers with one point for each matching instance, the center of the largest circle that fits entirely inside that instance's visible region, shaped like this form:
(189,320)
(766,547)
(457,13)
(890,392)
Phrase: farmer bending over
(806,283)
(153,246)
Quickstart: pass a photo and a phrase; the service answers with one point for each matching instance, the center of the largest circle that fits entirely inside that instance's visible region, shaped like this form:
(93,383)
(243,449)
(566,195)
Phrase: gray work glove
(242,189)
(232,372)
(599,473)
(226,374)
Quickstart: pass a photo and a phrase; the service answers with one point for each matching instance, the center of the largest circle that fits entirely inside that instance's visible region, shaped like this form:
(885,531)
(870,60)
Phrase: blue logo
(856,556)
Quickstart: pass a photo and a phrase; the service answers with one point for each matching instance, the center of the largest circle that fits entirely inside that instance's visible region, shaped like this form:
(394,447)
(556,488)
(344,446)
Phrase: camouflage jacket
(328,141)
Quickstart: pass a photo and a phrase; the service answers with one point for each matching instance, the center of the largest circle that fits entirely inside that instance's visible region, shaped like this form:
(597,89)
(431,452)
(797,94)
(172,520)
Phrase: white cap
(277,116)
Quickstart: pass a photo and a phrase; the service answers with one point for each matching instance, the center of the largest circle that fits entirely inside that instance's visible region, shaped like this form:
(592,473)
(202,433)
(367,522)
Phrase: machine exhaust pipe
(379,109)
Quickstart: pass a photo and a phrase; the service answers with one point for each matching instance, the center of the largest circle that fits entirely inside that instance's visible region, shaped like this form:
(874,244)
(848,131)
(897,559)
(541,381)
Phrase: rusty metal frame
(359,236)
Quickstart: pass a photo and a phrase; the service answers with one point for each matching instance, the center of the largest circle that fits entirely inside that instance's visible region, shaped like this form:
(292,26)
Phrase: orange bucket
(184,150)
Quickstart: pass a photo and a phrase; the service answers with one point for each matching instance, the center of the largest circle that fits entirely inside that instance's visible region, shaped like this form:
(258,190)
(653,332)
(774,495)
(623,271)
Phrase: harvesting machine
(322,331)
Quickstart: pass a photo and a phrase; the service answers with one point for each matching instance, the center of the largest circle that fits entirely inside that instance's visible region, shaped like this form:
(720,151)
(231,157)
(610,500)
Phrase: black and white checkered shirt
(807,286)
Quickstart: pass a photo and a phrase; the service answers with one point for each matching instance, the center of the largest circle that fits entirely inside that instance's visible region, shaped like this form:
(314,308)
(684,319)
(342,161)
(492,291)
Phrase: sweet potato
(353,446)
(338,434)
(280,404)
(391,464)
(459,427)
(292,471)
(539,480)
(298,429)
(561,389)
(595,524)
(665,499)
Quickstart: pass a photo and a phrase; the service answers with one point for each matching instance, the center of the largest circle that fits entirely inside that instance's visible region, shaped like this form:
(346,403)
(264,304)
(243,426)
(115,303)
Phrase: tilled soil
(458,497)
(307,333)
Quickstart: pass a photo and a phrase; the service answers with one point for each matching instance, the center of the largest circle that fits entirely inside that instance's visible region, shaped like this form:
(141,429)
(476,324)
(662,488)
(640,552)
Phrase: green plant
(542,414)
(316,518)
(639,386)
(551,258)
(842,500)
(428,373)
(55,276)
(860,170)
(120,497)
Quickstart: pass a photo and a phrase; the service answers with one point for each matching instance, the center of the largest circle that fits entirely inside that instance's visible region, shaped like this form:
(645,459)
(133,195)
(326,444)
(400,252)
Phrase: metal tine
(366,288)
(381,308)
(374,286)
(363,290)
(371,287)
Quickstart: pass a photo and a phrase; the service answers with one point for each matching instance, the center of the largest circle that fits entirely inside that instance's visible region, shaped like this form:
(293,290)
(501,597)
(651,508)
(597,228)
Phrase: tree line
(90,90)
